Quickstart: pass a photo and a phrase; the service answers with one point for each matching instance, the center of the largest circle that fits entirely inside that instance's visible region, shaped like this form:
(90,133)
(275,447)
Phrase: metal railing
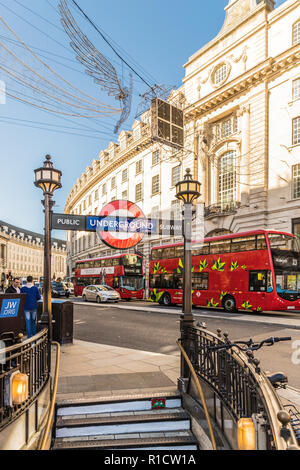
(201,394)
(239,383)
(30,357)
(48,428)
(221,209)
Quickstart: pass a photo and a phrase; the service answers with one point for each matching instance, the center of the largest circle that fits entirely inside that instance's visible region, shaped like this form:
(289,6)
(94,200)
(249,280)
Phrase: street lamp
(48,179)
(187,191)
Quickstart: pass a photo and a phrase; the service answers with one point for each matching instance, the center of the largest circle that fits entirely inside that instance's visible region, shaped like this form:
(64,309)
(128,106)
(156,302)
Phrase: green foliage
(212,303)
(218,265)
(155,295)
(203,264)
(222,295)
(234,265)
(246,305)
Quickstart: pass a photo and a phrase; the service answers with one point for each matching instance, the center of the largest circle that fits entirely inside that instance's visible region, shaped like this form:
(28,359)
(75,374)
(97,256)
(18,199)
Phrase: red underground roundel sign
(121,240)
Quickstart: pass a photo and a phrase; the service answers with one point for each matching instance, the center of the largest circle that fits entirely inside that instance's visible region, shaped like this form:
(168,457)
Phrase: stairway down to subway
(140,423)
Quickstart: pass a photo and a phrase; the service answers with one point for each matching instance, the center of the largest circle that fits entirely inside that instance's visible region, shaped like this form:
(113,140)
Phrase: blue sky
(159,36)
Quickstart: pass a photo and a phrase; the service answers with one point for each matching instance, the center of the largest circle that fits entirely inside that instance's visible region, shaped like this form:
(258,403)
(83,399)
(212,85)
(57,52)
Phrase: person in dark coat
(30,308)
(15,287)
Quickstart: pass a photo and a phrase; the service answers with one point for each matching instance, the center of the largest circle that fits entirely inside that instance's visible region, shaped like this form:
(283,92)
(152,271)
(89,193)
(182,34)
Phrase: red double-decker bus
(122,272)
(252,271)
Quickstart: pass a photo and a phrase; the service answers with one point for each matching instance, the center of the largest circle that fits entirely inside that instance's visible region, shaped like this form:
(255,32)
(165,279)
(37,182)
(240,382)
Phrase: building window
(220,74)
(296,228)
(96,195)
(124,175)
(138,192)
(225,127)
(227,180)
(296,131)
(104,189)
(113,182)
(124,195)
(175,210)
(155,185)
(90,200)
(296,33)
(175,175)
(155,157)
(138,167)
(296,180)
(296,89)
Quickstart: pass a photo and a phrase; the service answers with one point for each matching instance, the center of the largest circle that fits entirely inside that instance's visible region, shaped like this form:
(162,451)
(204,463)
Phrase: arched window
(227,179)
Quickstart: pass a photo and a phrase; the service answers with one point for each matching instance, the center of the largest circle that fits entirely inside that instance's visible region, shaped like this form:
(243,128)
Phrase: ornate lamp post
(187,191)
(48,179)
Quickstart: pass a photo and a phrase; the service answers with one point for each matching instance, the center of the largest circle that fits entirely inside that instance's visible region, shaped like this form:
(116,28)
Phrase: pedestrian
(30,309)
(15,287)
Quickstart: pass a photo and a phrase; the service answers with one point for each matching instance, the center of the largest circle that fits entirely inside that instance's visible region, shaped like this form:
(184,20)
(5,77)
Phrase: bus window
(167,281)
(200,281)
(221,246)
(157,254)
(155,281)
(116,283)
(169,253)
(178,282)
(179,252)
(261,243)
(202,249)
(258,281)
(280,241)
(243,244)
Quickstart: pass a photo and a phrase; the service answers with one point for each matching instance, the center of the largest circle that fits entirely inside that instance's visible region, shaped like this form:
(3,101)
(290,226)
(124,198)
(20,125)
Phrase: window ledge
(295,199)
(290,103)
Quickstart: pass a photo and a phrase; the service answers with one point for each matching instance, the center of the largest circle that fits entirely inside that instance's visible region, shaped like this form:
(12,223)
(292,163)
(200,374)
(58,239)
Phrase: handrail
(199,388)
(269,399)
(53,399)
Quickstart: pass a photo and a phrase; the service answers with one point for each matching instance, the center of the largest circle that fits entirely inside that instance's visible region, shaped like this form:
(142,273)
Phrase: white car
(100,294)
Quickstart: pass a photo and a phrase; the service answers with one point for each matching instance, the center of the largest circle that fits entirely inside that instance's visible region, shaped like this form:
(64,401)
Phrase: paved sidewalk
(89,369)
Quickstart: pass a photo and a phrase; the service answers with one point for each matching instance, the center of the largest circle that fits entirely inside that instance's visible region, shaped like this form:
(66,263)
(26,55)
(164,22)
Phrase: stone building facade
(243,116)
(22,254)
(241,102)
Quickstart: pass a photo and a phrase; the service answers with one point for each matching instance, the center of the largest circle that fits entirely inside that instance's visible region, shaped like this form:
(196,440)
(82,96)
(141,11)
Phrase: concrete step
(142,441)
(124,428)
(113,406)
(120,417)
(124,423)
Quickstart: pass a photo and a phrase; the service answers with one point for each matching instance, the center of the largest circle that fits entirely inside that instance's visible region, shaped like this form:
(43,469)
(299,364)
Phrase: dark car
(58,290)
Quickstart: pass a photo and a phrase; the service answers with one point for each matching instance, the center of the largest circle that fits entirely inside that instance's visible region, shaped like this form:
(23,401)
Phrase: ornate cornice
(99,172)
(266,70)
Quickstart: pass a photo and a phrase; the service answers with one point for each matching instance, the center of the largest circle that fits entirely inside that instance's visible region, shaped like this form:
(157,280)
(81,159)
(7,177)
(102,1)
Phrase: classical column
(244,119)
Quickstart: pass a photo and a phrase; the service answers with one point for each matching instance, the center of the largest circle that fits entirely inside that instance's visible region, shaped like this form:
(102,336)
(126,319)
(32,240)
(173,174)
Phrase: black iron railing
(221,209)
(238,382)
(30,357)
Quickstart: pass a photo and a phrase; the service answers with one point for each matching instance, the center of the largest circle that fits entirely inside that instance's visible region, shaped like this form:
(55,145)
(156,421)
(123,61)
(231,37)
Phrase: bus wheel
(229,304)
(165,300)
(84,298)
